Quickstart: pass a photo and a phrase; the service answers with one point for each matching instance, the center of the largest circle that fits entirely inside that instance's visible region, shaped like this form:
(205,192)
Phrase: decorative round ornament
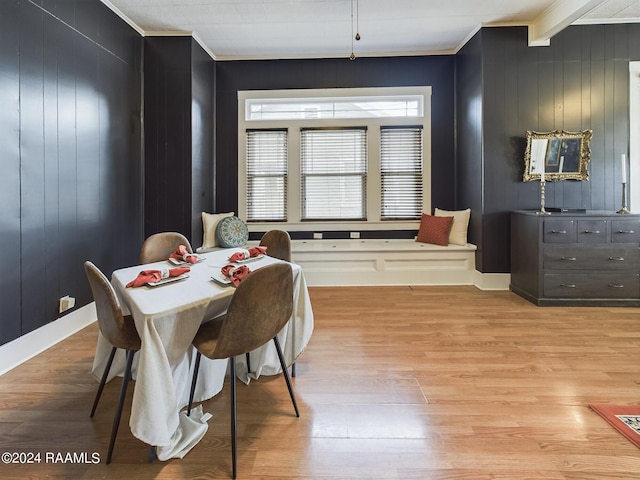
(231,232)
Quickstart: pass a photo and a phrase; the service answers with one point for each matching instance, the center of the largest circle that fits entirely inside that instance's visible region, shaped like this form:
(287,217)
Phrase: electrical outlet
(354,235)
(65,303)
(317,235)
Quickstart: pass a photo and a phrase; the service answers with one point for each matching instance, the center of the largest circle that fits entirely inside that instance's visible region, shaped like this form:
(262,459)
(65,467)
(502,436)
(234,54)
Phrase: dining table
(167,317)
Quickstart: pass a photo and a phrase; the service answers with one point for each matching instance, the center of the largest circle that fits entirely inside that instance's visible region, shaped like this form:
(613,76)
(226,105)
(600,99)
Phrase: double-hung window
(401,172)
(266,175)
(333,173)
(334,159)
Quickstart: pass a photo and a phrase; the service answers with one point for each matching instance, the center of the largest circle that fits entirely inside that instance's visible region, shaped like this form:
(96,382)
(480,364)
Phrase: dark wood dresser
(566,259)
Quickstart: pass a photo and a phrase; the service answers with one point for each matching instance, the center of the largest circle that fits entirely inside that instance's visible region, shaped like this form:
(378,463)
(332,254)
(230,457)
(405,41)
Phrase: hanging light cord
(357,23)
(353,55)
(357,20)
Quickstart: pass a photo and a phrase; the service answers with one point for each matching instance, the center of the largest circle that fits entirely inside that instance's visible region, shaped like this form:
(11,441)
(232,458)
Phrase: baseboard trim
(492,281)
(31,344)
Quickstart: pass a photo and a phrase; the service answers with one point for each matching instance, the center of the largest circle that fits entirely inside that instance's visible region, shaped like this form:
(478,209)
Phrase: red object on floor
(611,414)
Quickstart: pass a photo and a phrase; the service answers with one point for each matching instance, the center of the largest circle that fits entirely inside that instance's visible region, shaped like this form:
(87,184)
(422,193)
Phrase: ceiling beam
(556,18)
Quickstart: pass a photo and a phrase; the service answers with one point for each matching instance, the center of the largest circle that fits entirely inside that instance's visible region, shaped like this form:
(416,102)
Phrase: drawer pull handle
(616,259)
(625,232)
(560,232)
(616,285)
(568,285)
(568,259)
(592,231)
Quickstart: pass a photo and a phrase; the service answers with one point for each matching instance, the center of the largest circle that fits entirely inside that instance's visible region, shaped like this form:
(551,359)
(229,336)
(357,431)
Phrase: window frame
(373,188)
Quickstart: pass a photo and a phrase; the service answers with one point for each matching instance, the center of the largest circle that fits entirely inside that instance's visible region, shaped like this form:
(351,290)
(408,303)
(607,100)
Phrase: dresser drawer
(625,231)
(594,285)
(559,231)
(592,231)
(591,258)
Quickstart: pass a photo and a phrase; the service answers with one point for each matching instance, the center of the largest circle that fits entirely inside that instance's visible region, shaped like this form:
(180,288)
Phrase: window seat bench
(328,262)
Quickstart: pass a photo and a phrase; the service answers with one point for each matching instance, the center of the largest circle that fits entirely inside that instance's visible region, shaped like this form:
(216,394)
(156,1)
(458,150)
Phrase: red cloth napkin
(235,273)
(152,276)
(182,254)
(244,254)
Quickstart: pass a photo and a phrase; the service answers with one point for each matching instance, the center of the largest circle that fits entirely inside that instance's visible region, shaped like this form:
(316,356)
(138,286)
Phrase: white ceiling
(253,29)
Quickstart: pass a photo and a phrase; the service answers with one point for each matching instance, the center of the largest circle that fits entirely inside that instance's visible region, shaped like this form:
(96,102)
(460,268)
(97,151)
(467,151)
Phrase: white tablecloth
(167,318)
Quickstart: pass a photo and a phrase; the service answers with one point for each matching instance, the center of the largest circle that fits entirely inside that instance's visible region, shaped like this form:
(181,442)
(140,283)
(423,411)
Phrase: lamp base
(624,210)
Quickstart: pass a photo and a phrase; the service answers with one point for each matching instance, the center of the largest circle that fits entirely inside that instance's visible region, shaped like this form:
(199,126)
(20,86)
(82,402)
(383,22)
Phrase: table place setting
(153,278)
(248,255)
(179,262)
(232,275)
(235,271)
(182,257)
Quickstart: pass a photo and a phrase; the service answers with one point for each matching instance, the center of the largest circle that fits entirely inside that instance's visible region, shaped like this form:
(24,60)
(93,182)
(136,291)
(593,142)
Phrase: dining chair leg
(293,369)
(123,394)
(196,368)
(103,380)
(232,401)
(153,453)
(285,372)
(248,357)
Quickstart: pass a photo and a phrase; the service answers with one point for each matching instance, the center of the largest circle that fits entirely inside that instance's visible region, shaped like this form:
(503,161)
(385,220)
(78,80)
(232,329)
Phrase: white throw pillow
(209,223)
(458,233)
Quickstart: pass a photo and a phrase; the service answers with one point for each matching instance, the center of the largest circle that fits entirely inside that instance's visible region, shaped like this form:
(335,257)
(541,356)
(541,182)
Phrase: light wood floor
(397,383)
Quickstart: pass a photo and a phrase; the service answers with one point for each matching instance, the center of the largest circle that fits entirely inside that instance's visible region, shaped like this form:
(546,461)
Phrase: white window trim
(373,179)
(634,140)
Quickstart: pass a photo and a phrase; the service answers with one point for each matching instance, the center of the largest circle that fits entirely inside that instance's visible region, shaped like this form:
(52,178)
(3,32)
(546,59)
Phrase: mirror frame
(583,155)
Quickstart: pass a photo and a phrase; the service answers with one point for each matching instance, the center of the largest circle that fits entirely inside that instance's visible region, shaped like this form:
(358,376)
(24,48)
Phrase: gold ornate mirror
(561,155)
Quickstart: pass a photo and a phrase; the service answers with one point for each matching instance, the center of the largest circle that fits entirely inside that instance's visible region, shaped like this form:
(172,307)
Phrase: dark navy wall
(469,138)
(581,81)
(202,138)
(178,112)
(70,153)
(434,71)
(167,134)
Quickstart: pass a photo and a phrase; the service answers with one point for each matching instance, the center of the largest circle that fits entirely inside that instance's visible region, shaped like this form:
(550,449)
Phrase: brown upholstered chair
(260,307)
(278,244)
(159,246)
(120,331)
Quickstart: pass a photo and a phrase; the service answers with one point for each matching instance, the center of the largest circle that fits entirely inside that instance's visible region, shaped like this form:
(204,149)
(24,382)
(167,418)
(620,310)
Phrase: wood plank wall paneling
(32,181)
(436,71)
(167,113)
(178,136)
(203,139)
(579,82)
(71,162)
(468,65)
(10,162)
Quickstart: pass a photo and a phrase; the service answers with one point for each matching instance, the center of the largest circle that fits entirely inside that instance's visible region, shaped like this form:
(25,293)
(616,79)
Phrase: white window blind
(266,175)
(401,172)
(333,173)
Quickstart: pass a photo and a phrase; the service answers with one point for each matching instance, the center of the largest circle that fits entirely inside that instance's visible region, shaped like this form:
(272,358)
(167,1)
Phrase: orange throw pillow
(434,230)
